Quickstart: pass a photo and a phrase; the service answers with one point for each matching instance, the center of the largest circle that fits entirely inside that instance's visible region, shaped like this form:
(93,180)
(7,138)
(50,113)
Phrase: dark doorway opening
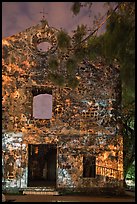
(89,166)
(42,164)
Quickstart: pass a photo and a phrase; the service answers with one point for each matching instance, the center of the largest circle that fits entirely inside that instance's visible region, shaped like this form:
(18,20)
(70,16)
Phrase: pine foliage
(63,40)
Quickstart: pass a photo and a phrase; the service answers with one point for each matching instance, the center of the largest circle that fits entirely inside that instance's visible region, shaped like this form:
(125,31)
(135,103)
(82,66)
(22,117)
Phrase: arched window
(42,104)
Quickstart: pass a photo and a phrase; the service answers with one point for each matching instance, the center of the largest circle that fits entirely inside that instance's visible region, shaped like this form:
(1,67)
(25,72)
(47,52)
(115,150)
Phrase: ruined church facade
(53,134)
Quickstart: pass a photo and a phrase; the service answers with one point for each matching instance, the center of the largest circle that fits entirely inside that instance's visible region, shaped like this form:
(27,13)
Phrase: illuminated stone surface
(84,120)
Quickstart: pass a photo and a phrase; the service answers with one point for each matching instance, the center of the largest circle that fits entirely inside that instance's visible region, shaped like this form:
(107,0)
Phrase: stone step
(40,190)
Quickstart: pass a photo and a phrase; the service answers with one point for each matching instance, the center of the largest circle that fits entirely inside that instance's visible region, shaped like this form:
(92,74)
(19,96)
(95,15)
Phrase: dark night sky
(18,16)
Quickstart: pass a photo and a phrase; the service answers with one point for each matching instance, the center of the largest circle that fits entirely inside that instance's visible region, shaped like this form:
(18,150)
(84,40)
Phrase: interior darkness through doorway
(42,164)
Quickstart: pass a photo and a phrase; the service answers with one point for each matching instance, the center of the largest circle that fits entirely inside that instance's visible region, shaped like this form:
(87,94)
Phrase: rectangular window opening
(89,166)
(42,103)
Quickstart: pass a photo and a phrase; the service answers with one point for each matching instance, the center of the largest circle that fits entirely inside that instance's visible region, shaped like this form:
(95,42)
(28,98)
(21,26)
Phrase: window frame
(89,166)
(37,90)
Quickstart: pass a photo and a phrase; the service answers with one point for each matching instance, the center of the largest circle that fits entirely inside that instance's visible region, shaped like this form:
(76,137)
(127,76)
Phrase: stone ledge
(41,192)
(95,191)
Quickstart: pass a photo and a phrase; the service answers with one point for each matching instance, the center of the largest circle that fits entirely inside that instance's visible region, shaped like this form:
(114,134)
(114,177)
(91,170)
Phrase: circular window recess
(44,46)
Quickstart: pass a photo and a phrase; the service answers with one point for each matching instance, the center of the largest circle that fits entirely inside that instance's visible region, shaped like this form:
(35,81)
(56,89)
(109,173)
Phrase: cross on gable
(43,12)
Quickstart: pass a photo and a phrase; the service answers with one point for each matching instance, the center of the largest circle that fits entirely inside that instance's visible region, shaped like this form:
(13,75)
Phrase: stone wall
(84,120)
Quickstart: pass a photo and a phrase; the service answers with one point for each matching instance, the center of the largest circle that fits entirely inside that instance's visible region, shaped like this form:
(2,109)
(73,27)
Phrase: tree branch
(100,25)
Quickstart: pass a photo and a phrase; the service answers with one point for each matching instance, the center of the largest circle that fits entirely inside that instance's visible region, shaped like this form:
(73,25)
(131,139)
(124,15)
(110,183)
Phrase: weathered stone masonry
(84,120)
